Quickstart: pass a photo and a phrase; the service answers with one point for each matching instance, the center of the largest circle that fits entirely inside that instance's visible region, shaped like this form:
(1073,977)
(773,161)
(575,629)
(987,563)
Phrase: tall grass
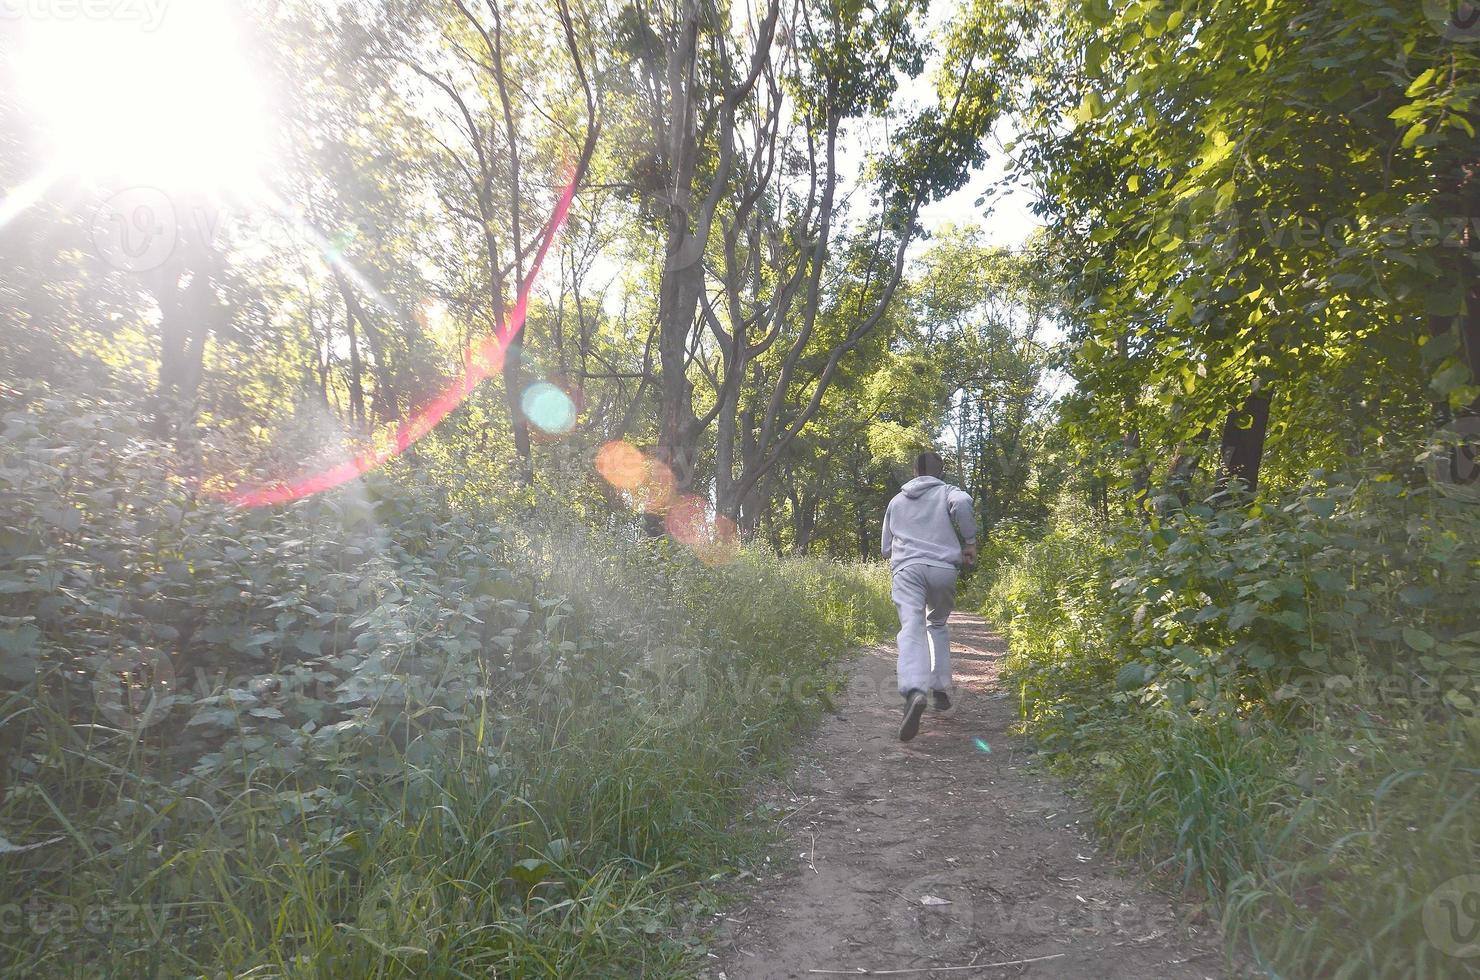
(478,752)
(576,851)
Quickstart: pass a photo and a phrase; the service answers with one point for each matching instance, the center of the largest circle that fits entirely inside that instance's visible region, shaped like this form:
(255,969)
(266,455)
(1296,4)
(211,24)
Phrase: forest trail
(881,835)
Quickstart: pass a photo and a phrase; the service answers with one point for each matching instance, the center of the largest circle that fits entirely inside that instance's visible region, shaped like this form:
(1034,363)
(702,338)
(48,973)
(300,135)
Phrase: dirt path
(952,850)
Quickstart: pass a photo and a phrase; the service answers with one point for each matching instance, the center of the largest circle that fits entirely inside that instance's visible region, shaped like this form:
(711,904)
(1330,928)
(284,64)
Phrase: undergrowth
(378,732)
(1274,705)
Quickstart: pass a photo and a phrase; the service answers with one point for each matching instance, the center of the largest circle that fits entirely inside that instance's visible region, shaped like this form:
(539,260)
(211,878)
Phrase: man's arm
(886,538)
(961,512)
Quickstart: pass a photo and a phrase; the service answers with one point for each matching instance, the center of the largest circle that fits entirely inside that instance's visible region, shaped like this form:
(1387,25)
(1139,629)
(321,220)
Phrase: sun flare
(173,103)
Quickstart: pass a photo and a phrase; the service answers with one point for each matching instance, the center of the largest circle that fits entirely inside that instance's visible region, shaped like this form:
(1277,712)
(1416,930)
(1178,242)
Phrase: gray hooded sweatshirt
(921,525)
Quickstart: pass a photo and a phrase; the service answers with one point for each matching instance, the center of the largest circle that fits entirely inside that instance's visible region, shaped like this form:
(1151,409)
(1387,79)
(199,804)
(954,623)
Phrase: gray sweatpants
(924,595)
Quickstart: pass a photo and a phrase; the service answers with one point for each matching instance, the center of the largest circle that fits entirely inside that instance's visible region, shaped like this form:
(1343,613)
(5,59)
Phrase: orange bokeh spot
(687,519)
(621,465)
(715,540)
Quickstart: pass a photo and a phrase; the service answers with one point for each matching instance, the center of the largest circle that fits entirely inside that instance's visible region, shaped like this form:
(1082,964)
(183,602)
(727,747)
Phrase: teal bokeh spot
(549,408)
(982,744)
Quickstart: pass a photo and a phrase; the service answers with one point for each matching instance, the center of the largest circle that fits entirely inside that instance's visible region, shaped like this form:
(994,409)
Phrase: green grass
(1320,847)
(568,827)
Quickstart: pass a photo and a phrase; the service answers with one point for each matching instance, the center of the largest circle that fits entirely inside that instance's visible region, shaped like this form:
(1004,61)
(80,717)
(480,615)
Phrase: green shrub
(1275,704)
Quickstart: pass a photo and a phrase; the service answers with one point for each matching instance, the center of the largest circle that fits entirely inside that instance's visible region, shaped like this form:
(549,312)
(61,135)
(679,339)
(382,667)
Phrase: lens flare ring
(549,408)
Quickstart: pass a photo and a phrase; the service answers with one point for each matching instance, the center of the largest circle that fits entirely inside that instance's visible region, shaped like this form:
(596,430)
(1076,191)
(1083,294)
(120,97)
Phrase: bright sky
(1010,221)
(141,97)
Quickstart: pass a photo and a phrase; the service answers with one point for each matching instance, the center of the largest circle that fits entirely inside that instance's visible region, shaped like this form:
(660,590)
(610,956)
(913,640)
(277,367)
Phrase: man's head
(929,463)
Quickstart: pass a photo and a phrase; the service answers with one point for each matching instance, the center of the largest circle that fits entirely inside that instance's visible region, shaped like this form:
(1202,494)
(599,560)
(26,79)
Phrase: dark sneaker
(940,701)
(913,709)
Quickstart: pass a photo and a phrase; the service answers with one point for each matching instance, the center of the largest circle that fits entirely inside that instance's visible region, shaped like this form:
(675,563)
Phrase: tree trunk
(805,521)
(1183,468)
(385,397)
(1242,446)
(186,314)
(356,373)
(513,369)
(726,432)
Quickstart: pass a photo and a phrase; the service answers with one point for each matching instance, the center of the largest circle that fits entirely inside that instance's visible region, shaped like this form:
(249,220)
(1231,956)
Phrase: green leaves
(1259,203)
(1321,506)
(1132,677)
(1092,107)
(19,656)
(1417,639)
(530,872)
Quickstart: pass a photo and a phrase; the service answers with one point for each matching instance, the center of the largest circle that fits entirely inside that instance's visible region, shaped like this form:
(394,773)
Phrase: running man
(929,531)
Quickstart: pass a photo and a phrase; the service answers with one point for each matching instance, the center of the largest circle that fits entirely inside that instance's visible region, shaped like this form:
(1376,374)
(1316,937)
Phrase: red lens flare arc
(484,358)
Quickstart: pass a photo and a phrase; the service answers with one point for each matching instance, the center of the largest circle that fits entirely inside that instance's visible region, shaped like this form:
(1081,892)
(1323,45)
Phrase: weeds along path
(945,855)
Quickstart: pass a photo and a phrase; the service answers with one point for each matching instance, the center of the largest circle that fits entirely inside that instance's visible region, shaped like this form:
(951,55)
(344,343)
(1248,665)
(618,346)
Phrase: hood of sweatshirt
(916,487)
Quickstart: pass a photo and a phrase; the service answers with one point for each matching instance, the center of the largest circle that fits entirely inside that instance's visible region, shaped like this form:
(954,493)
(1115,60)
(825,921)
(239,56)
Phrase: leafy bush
(371,733)
(1277,702)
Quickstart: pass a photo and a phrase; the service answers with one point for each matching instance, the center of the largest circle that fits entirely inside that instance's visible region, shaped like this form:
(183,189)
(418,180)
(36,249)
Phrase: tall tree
(749,145)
